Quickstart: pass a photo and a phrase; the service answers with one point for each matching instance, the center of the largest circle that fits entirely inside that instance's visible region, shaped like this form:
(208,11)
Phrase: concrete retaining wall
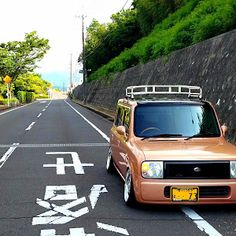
(210,64)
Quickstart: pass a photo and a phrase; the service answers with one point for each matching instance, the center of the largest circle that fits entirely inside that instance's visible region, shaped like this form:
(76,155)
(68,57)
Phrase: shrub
(21,95)
(30,97)
(41,96)
(194,22)
(12,101)
(220,21)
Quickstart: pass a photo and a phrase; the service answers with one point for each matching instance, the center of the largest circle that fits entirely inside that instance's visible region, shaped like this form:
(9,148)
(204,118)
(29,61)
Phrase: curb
(97,110)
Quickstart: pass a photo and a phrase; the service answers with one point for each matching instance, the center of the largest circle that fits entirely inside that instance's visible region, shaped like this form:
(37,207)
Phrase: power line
(107,36)
(124,5)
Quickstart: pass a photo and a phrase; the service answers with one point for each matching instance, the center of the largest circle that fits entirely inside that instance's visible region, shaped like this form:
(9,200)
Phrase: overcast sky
(58,21)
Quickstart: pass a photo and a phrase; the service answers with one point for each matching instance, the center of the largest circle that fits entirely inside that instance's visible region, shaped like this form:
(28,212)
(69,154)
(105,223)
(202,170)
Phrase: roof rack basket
(142,90)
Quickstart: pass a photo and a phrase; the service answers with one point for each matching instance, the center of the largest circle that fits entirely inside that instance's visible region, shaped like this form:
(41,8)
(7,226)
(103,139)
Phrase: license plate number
(180,194)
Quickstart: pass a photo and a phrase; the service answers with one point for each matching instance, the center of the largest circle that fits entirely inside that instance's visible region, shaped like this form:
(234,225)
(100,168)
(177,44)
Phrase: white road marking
(8,154)
(90,123)
(65,192)
(14,109)
(112,228)
(67,215)
(30,126)
(60,165)
(96,191)
(49,206)
(59,193)
(39,115)
(44,109)
(73,232)
(202,224)
(49,145)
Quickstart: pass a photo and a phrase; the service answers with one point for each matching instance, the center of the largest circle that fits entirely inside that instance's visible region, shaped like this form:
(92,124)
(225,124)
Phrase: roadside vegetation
(151,29)
(18,60)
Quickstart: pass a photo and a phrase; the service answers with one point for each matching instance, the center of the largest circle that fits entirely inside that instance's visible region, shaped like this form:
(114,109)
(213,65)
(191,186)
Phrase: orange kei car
(169,148)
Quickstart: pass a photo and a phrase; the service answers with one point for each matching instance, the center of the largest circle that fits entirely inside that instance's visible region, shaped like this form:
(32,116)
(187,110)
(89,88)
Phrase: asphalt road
(53,181)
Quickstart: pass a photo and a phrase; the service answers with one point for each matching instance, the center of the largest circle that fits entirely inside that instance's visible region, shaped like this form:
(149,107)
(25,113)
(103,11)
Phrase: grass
(196,21)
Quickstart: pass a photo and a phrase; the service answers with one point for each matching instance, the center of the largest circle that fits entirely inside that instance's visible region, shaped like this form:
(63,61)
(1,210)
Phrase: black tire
(129,196)
(110,164)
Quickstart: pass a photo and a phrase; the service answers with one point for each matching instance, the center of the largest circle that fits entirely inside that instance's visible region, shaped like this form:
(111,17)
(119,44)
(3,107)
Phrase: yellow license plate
(180,194)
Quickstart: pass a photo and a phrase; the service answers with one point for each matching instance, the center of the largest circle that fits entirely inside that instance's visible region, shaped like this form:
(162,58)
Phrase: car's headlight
(152,169)
(233,169)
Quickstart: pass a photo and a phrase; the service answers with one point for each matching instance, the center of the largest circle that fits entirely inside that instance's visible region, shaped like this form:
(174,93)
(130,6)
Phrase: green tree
(31,82)
(152,12)
(3,88)
(106,41)
(20,57)
(195,21)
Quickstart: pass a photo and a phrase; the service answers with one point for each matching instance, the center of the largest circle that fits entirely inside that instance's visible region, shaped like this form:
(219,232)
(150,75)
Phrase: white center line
(30,126)
(39,115)
(90,123)
(44,109)
(8,154)
(202,224)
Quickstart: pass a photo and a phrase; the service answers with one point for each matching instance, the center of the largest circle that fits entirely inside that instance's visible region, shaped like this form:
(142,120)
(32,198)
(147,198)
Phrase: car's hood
(207,149)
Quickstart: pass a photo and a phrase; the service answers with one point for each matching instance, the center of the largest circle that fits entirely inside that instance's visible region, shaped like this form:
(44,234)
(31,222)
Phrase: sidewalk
(4,107)
(108,114)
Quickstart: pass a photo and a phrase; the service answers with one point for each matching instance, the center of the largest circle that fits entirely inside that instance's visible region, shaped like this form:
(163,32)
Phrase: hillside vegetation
(180,24)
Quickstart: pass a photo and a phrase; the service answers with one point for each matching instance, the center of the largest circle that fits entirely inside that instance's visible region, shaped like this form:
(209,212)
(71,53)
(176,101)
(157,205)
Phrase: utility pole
(84,60)
(71,78)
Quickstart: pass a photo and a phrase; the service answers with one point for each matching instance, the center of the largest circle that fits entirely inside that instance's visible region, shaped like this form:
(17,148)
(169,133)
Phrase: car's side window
(123,117)
(119,116)
(127,119)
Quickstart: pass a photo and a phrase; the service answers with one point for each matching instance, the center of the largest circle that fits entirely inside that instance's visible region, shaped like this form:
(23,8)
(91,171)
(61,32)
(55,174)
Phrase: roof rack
(141,90)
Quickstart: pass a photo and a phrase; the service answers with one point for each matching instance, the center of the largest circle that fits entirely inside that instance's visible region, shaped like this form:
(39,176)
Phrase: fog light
(233,169)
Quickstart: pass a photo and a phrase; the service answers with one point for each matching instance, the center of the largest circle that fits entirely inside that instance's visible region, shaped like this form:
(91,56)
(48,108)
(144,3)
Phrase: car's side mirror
(224,129)
(121,130)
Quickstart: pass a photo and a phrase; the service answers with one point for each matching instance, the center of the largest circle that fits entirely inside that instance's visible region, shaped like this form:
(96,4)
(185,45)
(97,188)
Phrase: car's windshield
(175,120)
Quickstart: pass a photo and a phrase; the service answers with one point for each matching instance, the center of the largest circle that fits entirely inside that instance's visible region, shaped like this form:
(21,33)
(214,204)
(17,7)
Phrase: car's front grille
(196,170)
(206,191)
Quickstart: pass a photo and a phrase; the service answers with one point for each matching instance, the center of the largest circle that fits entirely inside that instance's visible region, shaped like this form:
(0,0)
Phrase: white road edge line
(30,126)
(112,228)
(8,154)
(90,123)
(202,224)
(14,109)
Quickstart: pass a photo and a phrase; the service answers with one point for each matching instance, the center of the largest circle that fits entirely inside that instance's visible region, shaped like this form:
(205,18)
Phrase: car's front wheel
(129,196)
(109,164)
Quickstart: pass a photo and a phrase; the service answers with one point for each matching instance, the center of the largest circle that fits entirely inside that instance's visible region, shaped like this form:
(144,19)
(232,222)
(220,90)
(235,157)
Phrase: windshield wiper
(163,136)
(201,136)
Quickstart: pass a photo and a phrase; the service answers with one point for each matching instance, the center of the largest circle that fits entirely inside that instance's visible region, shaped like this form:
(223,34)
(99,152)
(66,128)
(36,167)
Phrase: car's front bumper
(158,191)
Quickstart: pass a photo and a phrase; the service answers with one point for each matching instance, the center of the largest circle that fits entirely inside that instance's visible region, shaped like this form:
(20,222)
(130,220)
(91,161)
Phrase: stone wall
(210,64)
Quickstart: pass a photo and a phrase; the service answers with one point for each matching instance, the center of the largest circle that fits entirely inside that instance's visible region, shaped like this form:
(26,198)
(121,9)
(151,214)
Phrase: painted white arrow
(96,191)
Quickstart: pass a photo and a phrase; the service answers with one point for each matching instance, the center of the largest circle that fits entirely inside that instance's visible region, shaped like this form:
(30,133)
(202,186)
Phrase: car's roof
(149,94)
(195,102)
(156,101)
